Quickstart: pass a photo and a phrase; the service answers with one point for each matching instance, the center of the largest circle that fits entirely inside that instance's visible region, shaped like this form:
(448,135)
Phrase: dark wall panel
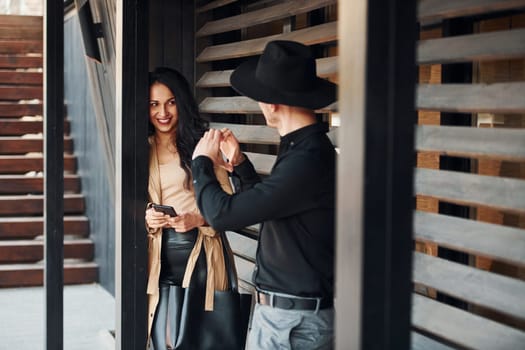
(88,149)
(171,36)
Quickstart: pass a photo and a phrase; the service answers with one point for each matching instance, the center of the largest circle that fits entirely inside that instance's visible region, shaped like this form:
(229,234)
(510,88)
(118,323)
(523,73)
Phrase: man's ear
(273,107)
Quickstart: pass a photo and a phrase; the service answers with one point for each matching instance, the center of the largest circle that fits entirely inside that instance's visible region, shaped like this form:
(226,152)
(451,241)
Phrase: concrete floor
(89,315)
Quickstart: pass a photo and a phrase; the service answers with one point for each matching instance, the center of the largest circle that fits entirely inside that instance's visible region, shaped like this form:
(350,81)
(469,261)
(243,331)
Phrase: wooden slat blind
(491,190)
(322,33)
(265,15)
(493,318)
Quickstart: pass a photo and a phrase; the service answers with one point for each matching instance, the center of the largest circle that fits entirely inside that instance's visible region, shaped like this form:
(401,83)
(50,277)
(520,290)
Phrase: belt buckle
(264,298)
(317,304)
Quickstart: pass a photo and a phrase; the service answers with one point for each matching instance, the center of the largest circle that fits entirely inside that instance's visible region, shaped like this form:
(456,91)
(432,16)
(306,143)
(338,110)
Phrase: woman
(175,243)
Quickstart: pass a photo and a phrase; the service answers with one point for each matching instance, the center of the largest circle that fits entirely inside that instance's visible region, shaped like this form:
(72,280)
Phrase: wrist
(238,160)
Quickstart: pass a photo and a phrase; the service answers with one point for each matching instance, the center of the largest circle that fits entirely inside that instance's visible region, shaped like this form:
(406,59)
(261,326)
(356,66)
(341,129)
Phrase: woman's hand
(186,221)
(156,219)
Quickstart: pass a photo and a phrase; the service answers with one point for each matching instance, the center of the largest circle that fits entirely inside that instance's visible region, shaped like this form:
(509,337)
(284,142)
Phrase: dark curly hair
(190,125)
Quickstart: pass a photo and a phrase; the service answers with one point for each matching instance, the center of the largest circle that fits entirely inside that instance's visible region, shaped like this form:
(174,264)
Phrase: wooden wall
(469,147)
(468,226)
(231,31)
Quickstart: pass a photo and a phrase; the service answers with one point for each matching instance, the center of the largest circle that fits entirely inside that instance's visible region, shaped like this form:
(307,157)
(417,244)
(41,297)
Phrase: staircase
(21,166)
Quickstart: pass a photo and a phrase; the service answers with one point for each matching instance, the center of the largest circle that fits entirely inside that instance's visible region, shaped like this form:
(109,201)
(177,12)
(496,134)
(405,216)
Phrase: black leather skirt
(176,249)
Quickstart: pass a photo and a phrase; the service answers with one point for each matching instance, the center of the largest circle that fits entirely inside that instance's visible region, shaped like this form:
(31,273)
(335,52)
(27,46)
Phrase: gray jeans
(274,328)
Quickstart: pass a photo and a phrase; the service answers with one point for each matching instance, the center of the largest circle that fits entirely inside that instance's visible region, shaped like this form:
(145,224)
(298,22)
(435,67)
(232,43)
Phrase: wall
(89,149)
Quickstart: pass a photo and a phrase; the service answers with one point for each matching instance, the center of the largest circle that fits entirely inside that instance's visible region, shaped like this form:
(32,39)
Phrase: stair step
(21,92)
(34,204)
(19,47)
(21,61)
(25,275)
(16,110)
(19,184)
(21,78)
(10,32)
(30,227)
(13,127)
(21,164)
(24,251)
(21,20)
(18,145)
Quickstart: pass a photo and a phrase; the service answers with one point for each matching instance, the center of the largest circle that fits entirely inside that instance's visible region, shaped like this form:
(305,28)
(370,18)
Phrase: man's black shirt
(295,205)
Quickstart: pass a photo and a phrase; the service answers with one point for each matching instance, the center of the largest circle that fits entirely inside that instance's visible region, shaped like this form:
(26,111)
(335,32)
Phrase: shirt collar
(302,133)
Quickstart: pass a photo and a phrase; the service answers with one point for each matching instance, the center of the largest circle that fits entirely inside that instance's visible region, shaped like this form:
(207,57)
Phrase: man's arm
(287,191)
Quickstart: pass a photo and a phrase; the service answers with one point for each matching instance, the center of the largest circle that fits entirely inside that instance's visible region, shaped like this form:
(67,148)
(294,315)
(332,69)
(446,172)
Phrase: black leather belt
(293,302)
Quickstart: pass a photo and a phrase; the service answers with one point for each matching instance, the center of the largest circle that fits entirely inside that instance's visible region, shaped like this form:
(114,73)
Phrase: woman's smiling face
(162,108)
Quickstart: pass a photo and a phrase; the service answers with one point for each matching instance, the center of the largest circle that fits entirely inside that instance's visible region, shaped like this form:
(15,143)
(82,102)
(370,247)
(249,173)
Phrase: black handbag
(224,328)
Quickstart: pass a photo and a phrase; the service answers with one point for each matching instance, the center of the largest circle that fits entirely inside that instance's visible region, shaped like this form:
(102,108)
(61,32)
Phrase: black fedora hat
(285,73)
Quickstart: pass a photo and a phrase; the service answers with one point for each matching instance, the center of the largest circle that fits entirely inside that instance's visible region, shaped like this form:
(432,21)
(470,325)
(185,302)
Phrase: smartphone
(166,209)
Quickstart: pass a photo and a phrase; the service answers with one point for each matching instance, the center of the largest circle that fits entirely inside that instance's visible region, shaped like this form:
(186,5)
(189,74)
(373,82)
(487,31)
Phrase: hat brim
(244,81)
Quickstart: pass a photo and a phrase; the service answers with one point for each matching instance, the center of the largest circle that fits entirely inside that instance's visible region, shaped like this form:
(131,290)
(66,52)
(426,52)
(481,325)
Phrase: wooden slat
(9,127)
(420,342)
(431,10)
(508,144)
(472,98)
(241,105)
(21,20)
(34,204)
(309,36)
(496,292)
(236,104)
(23,251)
(25,275)
(21,92)
(264,15)
(326,68)
(242,246)
(476,47)
(244,270)
(16,110)
(17,184)
(21,46)
(213,5)
(470,189)
(20,164)
(260,134)
(20,78)
(463,328)
(31,227)
(16,61)
(21,33)
(263,163)
(17,145)
(498,242)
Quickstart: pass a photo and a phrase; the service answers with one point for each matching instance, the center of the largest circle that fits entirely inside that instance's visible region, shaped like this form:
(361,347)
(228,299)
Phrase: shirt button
(292,144)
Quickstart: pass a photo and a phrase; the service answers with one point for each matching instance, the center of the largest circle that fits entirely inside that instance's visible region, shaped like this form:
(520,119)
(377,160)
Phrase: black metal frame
(375,175)
(54,174)
(132,174)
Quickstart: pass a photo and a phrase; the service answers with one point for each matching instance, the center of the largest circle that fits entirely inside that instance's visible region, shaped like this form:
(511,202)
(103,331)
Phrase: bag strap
(229,264)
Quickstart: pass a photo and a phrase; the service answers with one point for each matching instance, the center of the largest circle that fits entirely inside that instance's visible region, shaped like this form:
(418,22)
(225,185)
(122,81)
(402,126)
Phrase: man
(294,273)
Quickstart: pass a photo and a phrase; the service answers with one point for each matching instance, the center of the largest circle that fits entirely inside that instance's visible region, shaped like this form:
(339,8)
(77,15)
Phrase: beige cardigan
(216,273)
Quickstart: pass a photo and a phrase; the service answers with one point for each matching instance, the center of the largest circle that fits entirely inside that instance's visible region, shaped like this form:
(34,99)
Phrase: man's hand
(209,146)
(229,146)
